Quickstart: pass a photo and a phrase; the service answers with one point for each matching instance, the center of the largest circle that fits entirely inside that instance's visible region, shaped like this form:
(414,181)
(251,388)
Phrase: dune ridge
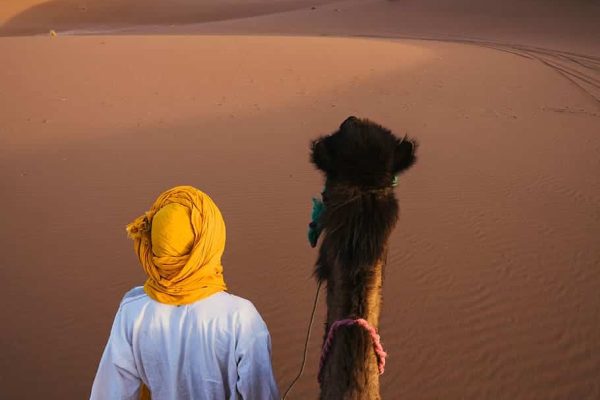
(37,16)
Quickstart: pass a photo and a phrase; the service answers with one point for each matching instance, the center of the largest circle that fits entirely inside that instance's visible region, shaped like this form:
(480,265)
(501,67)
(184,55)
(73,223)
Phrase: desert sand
(491,289)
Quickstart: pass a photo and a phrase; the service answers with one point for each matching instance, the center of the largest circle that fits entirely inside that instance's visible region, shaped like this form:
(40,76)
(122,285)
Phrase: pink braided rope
(381,355)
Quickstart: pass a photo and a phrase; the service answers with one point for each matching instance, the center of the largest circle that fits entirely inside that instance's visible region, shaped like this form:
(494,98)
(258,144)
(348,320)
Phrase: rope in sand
(312,318)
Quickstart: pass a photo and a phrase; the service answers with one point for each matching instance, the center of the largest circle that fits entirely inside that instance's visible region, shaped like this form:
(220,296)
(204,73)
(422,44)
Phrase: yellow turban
(180,242)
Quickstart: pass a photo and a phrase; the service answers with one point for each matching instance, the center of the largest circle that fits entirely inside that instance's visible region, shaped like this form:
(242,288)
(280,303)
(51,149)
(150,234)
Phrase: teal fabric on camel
(314,229)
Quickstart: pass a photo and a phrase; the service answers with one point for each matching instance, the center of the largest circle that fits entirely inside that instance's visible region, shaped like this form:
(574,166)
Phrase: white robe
(216,348)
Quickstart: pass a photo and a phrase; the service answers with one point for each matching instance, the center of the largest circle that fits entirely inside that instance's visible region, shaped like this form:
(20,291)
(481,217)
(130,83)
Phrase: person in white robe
(182,335)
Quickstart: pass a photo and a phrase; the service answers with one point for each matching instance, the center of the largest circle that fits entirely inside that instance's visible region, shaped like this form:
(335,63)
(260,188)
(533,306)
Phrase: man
(181,335)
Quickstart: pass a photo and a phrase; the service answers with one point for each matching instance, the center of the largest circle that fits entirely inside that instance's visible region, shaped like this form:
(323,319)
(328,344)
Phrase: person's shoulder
(135,294)
(233,306)
(235,302)
(244,310)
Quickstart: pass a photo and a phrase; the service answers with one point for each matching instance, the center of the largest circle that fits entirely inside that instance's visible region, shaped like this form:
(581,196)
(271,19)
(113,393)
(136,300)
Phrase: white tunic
(216,348)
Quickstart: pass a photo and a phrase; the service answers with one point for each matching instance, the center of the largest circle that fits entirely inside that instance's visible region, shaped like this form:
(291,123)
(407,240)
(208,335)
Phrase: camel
(361,162)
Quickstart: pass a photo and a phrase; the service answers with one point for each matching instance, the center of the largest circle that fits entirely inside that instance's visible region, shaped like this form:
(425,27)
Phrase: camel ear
(404,155)
(349,123)
(320,155)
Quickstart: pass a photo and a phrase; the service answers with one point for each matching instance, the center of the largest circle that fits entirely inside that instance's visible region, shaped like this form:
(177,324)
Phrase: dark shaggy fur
(360,161)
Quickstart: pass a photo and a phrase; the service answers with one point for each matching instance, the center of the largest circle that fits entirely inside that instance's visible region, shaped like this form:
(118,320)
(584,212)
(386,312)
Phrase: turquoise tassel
(314,229)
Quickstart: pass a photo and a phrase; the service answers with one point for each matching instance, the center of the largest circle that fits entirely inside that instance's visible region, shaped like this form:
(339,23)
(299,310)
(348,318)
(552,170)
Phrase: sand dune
(10,8)
(562,35)
(38,16)
(555,24)
(567,25)
(492,282)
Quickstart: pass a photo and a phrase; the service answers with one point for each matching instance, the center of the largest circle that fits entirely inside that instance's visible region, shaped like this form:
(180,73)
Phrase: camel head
(361,161)
(362,154)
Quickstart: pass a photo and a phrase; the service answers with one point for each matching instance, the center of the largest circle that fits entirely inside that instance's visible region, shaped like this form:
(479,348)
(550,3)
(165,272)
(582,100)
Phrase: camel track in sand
(582,70)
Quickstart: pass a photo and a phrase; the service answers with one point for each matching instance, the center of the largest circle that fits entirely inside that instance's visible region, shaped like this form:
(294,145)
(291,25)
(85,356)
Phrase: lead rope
(312,318)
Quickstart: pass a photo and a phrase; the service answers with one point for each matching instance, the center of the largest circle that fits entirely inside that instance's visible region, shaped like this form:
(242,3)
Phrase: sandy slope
(563,35)
(38,16)
(556,24)
(491,288)
(10,8)
(492,282)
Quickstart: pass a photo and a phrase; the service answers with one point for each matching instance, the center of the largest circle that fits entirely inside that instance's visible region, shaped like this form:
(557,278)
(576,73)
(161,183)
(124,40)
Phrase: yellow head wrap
(180,242)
